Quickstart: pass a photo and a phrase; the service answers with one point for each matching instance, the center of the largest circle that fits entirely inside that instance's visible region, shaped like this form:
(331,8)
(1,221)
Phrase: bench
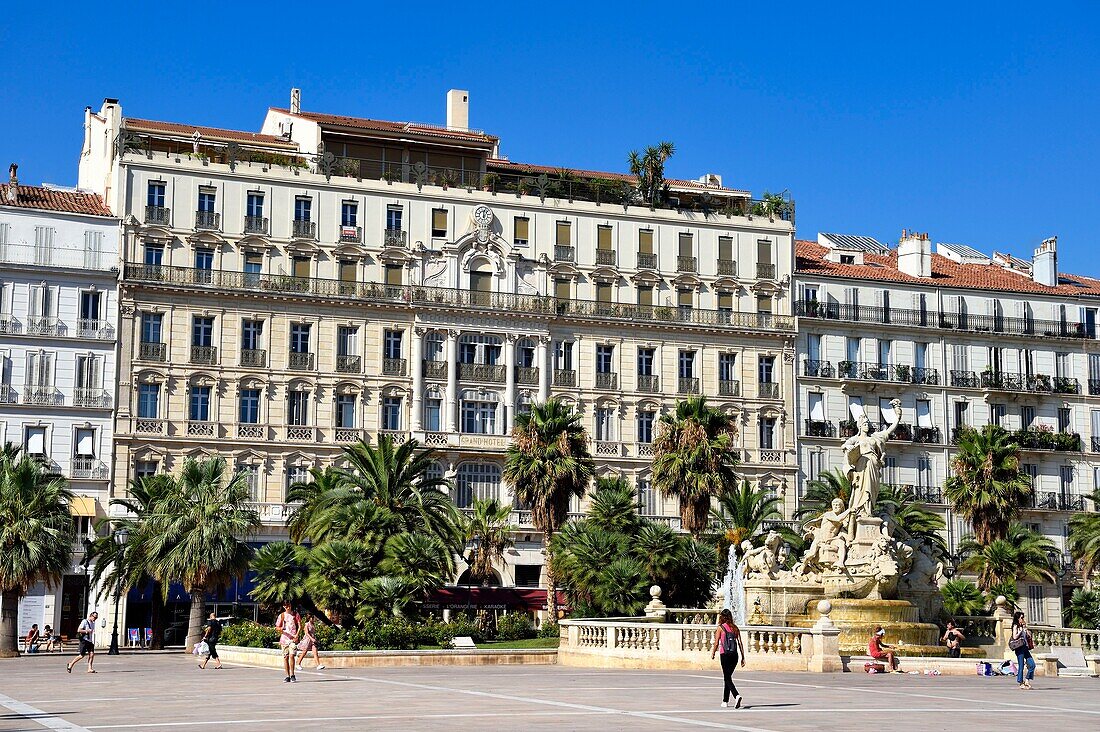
(463,641)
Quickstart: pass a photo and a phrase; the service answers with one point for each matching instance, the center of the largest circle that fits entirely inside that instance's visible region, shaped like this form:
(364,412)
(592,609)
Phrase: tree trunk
(156,619)
(198,616)
(551,590)
(9,624)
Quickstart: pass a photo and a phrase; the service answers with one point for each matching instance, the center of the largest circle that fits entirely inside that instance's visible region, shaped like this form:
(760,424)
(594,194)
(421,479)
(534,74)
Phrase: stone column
(544,368)
(826,642)
(509,382)
(452,381)
(417,368)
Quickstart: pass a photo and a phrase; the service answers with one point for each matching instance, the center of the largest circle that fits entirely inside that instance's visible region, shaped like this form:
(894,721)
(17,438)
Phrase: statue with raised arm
(829,534)
(865,453)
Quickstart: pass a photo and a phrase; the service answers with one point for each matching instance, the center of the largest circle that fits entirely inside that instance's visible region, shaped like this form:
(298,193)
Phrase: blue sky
(976,122)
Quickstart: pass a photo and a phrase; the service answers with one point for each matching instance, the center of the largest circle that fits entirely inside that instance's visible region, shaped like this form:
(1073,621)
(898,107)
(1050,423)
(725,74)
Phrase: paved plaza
(167,692)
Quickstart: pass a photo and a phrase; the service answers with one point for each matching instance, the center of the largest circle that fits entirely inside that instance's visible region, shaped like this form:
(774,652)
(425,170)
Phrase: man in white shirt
(86,634)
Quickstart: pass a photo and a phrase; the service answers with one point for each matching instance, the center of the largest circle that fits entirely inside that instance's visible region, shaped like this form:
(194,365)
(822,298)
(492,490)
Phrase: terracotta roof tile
(50,199)
(508,165)
(810,260)
(407,128)
(212,133)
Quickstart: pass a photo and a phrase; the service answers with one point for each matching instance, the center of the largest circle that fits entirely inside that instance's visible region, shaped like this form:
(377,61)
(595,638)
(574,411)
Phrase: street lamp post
(84,569)
(121,537)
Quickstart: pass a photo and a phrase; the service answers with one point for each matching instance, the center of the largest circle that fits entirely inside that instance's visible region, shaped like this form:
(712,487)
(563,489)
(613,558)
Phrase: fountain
(864,563)
(732,589)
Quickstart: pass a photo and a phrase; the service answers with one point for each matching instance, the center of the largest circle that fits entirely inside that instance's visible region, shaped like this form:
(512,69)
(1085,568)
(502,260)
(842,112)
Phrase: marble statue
(765,558)
(865,452)
(829,534)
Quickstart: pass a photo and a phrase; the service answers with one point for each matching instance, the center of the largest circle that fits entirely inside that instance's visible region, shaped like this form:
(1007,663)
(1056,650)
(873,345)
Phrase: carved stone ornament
(482,217)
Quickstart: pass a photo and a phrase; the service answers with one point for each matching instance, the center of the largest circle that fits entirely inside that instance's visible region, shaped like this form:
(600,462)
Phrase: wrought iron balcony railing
(765,271)
(487,372)
(565,377)
(729,387)
(944,320)
(152,351)
(158,215)
(300,361)
(351,234)
(822,369)
(926,435)
(435,369)
(99,330)
(45,326)
(686,264)
(727,267)
(417,297)
(394,366)
(647,260)
(820,428)
(964,379)
(255,224)
(769,389)
(208,220)
(928,494)
(303,229)
(563,253)
(607,380)
(92,398)
(43,396)
(649,383)
(349,364)
(395,238)
(256,357)
(688,385)
(204,355)
(527,375)
(1059,502)
(86,468)
(605,257)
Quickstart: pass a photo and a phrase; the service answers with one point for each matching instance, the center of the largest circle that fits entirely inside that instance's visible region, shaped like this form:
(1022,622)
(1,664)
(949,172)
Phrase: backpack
(729,640)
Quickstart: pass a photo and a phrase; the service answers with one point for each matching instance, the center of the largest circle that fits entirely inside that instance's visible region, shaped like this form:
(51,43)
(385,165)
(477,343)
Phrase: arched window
(433,347)
(480,411)
(523,403)
(433,410)
(476,480)
(479,348)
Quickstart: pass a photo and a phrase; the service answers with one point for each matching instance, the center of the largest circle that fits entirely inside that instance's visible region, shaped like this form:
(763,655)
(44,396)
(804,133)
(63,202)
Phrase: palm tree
(1083,610)
(337,569)
(649,168)
(1021,555)
(741,513)
(280,569)
(821,491)
(424,561)
(198,533)
(694,459)
(547,464)
(613,506)
(311,518)
(988,487)
(1084,537)
(488,531)
(961,597)
(36,536)
(134,565)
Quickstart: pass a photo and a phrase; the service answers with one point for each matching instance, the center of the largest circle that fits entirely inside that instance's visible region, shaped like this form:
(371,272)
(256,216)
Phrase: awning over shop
(490,598)
(82,506)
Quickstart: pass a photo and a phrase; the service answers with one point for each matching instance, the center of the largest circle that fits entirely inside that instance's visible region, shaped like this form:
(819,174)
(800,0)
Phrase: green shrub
(515,626)
(464,625)
(250,635)
(327,635)
(550,630)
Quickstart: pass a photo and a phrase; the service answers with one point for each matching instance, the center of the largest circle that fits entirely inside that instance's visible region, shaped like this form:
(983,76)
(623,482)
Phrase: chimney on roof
(295,101)
(1044,265)
(914,254)
(13,183)
(458,110)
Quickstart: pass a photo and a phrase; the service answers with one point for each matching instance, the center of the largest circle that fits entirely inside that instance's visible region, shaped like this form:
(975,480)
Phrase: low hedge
(391,634)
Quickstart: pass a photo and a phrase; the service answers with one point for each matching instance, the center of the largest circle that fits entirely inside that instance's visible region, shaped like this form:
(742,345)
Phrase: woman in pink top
(727,640)
(309,643)
(289,626)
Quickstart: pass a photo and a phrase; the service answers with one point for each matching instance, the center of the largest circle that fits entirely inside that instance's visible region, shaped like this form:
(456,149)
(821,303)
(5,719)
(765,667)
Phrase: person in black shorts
(86,633)
(953,639)
(212,631)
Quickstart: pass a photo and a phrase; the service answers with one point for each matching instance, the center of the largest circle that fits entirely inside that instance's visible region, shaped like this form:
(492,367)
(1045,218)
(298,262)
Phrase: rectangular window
(145,469)
(563,234)
(347,270)
(347,340)
(767,433)
(156,194)
(302,267)
(204,259)
(686,244)
(645,241)
(603,292)
(349,213)
(725,248)
(645,295)
(439,223)
(393,275)
(252,334)
(200,404)
(84,443)
(924,471)
(603,238)
(253,265)
(1036,604)
(299,337)
(202,331)
(687,365)
(1066,475)
(564,356)
(764,304)
(685,298)
(391,343)
(924,413)
(961,414)
(725,302)
(521,228)
(817,406)
(345,411)
(250,406)
(433,408)
(528,575)
(764,251)
(604,355)
(1065,419)
(296,474)
(393,218)
(562,289)
(727,367)
(997,414)
(254,207)
(479,418)
(303,208)
(766,371)
(1027,416)
(151,324)
(646,422)
(391,413)
(886,413)
(645,361)
(855,407)
(605,417)
(297,409)
(885,352)
(207,200)
(148,401)
(34,440)
(154,255)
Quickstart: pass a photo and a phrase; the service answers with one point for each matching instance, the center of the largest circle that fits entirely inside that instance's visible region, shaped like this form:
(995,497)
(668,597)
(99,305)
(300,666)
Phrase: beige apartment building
(330,278)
